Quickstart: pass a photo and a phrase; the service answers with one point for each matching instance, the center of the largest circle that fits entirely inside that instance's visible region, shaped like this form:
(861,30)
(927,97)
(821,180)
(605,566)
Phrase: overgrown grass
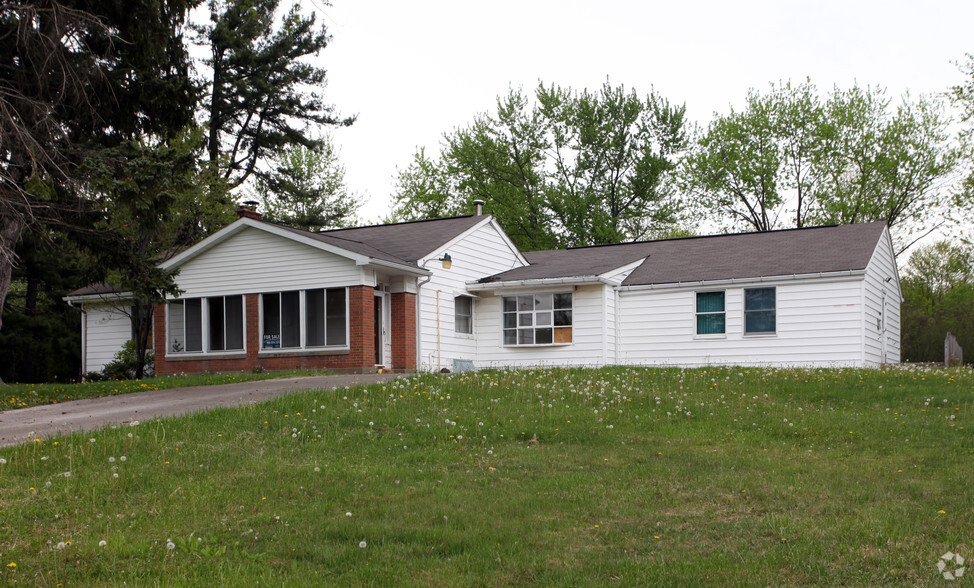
(23,395)
(567,477)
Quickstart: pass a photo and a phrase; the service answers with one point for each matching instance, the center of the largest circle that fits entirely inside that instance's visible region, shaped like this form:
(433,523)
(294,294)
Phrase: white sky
(415,69)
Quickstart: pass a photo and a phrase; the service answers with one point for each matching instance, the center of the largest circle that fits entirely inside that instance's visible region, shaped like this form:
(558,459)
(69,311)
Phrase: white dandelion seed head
(170,545)
(115,475)
(111,460)
(60,545)
(92,440)
(317,469)
(348,514)
(2,461)
(362,544)
(134,424)
(102,543)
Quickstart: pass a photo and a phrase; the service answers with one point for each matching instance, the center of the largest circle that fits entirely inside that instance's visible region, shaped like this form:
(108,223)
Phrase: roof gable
(398,244)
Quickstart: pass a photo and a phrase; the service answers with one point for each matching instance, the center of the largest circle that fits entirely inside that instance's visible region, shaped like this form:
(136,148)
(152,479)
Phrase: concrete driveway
(24,424)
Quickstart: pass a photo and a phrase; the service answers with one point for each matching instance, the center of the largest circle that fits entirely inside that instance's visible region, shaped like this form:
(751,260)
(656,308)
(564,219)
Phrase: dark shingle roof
(95,289)
(718,257)
(401,243)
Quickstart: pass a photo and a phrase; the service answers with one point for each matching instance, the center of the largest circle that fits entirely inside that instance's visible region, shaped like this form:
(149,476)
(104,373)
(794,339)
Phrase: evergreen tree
(308,189)
(261,91)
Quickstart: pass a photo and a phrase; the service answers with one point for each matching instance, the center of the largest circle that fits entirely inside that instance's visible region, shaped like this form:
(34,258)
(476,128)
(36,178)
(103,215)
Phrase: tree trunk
(9,232)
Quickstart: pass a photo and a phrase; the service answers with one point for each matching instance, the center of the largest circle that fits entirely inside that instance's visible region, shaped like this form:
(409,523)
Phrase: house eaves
(820,276)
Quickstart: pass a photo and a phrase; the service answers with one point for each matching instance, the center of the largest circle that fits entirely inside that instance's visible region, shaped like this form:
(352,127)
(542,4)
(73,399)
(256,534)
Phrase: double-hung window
(220,318)
(538,319)
(463,314)
(759,311)
(321,321)
(711,318)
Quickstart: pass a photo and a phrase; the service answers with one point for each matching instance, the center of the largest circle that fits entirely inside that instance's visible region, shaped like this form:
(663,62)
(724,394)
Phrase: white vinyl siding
(107,331)
(817,324)
(480,252)
(875,317)
(254,261)
(588,347)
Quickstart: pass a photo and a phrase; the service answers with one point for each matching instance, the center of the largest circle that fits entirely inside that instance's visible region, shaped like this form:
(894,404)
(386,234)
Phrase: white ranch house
(258,294)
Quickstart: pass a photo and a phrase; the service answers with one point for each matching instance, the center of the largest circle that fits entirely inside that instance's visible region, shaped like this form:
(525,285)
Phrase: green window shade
(710,324)
(710,302)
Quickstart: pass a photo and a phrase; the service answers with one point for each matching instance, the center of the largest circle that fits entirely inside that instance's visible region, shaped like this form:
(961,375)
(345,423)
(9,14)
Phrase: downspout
(84,337)
(439,363)
(419,329)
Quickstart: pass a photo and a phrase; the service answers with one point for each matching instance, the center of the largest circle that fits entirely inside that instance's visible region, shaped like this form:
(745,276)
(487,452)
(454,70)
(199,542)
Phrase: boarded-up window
(537,319)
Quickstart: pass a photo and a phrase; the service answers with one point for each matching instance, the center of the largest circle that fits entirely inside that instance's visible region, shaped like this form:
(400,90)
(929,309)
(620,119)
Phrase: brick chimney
(249,209)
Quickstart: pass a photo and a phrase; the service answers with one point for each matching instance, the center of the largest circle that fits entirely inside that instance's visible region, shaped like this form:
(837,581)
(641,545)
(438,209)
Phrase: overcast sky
(412,70)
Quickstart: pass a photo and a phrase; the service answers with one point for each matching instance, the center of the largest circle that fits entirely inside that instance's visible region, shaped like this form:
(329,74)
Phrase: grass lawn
(14,396)
(557,477)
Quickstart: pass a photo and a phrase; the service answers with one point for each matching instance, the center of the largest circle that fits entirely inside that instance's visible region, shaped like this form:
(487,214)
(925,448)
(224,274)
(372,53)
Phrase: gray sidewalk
(94,413)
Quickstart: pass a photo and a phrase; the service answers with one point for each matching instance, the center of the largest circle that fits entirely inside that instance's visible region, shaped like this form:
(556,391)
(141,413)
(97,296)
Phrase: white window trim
(304,348)
(473,329)
(205,334)
(696,313)
(760,334)
(530,345)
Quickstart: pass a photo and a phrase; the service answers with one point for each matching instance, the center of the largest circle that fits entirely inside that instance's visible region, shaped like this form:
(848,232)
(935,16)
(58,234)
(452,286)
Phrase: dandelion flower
(170,545)
(111,460)
(362,544)
(2,461)
(102,543)
(60,545)
(348,514)
(123,458)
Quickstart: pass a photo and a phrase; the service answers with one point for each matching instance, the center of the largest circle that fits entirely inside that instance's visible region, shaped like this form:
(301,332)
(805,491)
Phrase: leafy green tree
(962,95)
(308,190)
(77,80)
(573,168)
(792,158)
(148,205)
(261,91)
(938,292)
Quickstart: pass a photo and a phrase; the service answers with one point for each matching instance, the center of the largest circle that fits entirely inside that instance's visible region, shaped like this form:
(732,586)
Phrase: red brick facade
(404,331)
(360,356)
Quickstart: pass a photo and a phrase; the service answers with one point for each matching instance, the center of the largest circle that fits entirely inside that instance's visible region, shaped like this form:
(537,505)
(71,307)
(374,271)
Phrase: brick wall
(403,331)
(359,358)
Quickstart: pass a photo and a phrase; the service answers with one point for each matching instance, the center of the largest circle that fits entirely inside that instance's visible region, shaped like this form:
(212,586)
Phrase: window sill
(180,356)
(760,335)
(304,351)
(533,345)
(464,335)
(710,337)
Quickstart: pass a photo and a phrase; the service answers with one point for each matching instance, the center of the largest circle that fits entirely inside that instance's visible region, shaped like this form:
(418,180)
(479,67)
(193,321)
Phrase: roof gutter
(105,297)
(419,271)
(847,274)
(536,282)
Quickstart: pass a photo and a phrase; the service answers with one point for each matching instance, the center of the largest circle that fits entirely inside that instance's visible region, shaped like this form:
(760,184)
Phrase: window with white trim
(220,318)
(538,319)
(711,318)
(760,311)
(322,321)
(463,314)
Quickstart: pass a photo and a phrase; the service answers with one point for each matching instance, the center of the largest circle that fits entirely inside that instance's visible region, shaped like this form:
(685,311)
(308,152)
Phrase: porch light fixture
(446,260)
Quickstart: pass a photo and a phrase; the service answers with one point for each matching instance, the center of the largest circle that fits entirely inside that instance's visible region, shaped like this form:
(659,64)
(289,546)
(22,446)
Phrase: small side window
(463,314)
(711,318)
(759,311)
